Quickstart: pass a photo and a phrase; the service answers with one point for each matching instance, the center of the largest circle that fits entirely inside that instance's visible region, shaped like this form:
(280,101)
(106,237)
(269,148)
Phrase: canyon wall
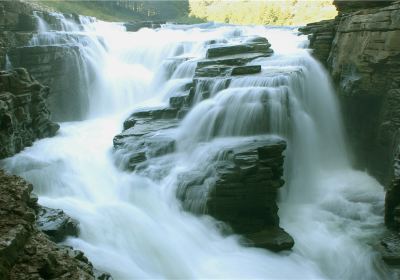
(361,49)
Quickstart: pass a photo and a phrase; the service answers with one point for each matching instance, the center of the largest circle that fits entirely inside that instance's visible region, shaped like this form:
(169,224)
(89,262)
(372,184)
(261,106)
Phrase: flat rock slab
(232,60)
(142,127)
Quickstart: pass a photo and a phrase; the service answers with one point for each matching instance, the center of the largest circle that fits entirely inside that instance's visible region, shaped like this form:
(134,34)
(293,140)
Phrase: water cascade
(132,225)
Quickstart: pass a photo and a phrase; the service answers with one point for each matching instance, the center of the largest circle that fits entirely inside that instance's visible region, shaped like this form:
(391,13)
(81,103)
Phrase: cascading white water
(132,226)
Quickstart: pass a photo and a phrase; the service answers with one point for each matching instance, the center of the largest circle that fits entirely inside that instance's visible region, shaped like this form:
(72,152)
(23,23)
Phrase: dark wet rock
(389,248)
(144,141)
(274,239)
(136,26)
(24,116)
(249,47)
(240,188)
(321,35)
(26,252)
(231,60)
(56,224)
(246,70)
(222,70)
(163,113)
(101,275)
(213,71)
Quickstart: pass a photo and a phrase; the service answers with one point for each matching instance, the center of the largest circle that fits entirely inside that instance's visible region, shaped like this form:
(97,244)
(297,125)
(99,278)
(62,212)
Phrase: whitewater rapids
(132,226)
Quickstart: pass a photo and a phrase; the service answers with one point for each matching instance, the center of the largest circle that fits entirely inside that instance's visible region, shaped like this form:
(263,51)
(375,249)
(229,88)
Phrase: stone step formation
(240,187)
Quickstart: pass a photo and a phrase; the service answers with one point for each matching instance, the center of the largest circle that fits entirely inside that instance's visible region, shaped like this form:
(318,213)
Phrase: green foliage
(124,10)
(278,12)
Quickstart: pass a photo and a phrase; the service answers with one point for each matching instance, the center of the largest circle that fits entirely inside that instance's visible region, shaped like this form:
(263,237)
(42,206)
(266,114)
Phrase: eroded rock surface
(25,251)
(240,187)
(24,116)
(361,49)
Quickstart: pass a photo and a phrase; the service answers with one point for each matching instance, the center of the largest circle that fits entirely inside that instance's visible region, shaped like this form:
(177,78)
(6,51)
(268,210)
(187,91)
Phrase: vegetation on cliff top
(266,12)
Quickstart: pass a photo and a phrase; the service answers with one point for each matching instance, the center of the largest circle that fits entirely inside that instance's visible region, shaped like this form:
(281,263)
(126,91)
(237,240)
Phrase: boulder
(56,224)
(240,188)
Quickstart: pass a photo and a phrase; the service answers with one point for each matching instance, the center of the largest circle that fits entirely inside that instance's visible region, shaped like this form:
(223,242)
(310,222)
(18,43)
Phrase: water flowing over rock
(361,48)
(234,135)
(24,116)
(362,52)
(241,189)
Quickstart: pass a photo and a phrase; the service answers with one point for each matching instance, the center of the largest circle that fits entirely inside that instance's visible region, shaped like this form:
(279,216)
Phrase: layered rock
(26,252)
(54,63)
(56,66)
(240,188)
(240,185)
(17,23)
(24,116)
(364,59)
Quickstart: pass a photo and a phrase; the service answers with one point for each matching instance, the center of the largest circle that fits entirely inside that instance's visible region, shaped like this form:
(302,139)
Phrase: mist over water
(132,225)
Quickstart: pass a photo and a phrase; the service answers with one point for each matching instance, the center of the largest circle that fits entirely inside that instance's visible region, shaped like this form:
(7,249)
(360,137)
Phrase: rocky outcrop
(347,6)
(240,187)
(56,224)
(16,26)
(54,62)
(56,66)
(364,60)
(24,116)
(363,56)
(25,251)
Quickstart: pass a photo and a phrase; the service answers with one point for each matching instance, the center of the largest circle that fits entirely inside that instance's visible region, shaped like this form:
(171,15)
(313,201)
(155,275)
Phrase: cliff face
(363,56)
(24,116)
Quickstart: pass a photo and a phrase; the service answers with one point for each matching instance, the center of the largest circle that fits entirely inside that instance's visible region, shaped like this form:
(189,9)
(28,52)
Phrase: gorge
(200,151)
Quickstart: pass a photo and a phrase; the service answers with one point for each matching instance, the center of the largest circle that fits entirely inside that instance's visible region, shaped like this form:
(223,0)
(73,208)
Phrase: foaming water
(132,225)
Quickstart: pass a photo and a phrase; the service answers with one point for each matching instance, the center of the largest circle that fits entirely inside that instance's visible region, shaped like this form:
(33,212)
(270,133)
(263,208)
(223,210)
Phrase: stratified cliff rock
(363,56)
(24,116)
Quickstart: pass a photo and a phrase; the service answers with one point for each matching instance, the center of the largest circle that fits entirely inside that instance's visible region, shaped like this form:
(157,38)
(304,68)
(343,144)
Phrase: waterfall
(8,65)
(132,225)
